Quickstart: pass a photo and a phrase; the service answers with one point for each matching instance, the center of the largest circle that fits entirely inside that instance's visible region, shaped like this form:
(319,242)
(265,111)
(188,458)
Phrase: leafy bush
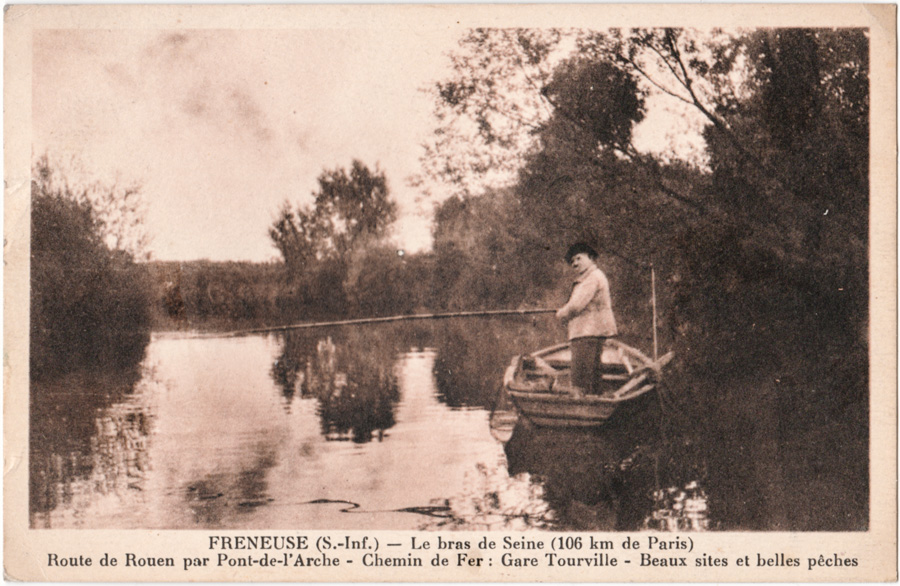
(89,304)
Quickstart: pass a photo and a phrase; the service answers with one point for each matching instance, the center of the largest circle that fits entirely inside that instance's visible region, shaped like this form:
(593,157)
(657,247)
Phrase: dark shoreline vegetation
(761,254)
(90,303)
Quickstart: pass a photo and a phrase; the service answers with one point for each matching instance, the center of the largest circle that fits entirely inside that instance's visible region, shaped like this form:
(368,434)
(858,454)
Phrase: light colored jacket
(589,309)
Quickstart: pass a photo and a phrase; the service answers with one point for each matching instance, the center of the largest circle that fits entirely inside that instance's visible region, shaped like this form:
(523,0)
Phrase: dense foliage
(216,294)
(768,236)
(89,302)
(759,241)
(322,245)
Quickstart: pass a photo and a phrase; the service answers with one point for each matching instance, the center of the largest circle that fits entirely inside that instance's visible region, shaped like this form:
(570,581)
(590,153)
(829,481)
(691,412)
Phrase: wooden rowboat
(540,384)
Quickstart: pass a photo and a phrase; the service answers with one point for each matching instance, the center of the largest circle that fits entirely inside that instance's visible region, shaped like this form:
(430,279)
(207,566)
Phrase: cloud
(195,104)
(210,82)
(223,126)
(247,110)
(228,108)
(176,40)
(175,46)
(120,74)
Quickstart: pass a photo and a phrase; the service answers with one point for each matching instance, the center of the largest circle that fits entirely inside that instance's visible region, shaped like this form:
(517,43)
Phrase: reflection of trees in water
(216,496)
(632,473)
(350,373)
(577,470)
(356,391)
(352,376)
(575,480)
(775,464)
(494,501)
(290,367)
(679,509)
(473,353)
(89,435)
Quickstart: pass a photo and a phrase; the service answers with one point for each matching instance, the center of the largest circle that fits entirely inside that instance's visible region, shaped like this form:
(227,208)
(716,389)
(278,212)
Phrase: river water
(391,426)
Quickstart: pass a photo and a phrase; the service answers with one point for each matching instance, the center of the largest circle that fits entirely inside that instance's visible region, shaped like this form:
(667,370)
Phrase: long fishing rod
(375,320)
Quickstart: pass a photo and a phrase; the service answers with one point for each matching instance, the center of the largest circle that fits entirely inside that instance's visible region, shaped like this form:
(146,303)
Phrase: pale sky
(221,126)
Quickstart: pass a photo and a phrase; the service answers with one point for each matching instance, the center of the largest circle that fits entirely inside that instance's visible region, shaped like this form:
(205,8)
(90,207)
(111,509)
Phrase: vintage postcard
(450,293)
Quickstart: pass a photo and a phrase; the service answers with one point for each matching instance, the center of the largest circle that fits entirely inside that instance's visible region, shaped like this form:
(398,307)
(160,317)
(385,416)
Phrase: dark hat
(578,248)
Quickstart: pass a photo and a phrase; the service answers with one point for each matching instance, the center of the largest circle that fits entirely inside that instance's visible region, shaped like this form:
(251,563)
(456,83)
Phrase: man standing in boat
(588,316)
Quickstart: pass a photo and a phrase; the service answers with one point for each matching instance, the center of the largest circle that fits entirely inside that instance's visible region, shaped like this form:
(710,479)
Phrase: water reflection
(89,439)
(472,355)
(609,478)
(239,433)
(565,479)
(220,494)
(356,391)
(679,509)
(596,480)
(352,381)
(349,371)
(495,501)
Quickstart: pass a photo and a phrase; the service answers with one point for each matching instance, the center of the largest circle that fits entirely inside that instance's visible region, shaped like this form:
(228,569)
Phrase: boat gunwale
(540,353)
(533,400)
(565,398)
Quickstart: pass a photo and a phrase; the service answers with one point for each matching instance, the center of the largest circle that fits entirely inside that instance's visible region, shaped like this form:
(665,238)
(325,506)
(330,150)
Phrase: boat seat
(626,361)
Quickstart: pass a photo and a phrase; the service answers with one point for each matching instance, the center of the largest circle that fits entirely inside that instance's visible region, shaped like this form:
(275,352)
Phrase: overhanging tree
(776,220)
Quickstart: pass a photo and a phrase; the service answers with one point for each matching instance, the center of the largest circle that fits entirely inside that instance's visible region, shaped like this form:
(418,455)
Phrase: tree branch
(518,61)
(646,76)
(666,61)
(676,53)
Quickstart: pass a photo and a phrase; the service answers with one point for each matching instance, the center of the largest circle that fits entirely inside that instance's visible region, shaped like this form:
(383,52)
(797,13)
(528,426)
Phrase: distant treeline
(191,294)
(231,295)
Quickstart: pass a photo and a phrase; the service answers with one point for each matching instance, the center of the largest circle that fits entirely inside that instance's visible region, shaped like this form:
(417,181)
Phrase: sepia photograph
(358,275)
